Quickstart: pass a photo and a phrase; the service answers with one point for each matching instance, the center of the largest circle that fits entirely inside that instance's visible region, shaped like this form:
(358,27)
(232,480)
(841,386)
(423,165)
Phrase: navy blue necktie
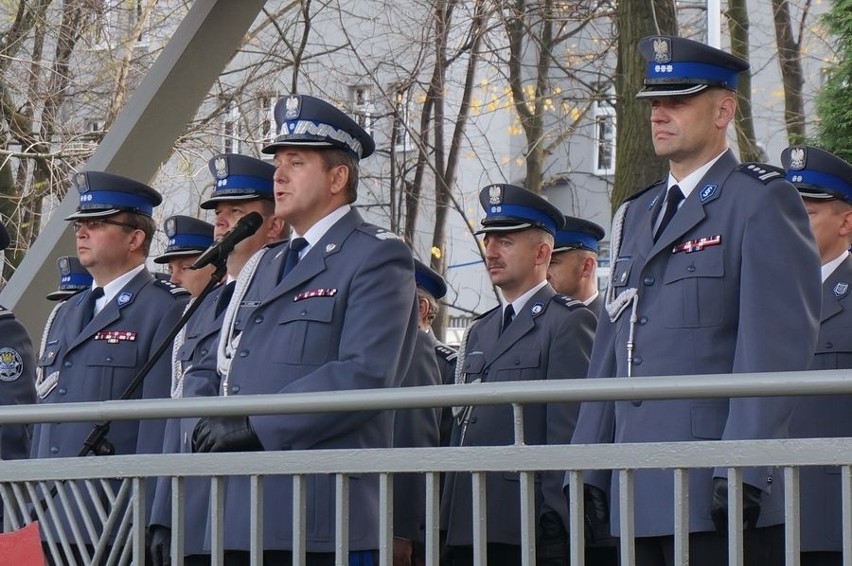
(89,306)
(296,246)
(508,317)
(673,200)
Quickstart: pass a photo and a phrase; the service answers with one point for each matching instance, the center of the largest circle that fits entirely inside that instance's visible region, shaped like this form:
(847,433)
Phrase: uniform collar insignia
(124,298)
(536,309)
(707,192)
(841,289)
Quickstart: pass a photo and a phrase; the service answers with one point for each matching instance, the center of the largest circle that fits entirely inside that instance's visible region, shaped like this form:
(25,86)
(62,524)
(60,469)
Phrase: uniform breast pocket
(50,356)
(519,365)
(694,287)
(709,419)
(474,367)
(111,367)
(307,333)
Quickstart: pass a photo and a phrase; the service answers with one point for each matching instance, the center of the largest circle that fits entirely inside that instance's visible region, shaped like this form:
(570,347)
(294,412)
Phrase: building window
(361,100)
(604,146)
(400,119)
(231,129)
(266,116)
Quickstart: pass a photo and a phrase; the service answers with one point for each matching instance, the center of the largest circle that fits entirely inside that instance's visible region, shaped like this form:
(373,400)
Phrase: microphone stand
(96,442)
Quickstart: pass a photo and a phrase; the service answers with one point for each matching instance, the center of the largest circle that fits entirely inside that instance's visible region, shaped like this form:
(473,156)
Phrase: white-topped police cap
(817,174)
(187,236)
(578,234)
(4,237)
(429,280)
(510,208)
(240,177)
(307,121)
(104,194)
(73,278)
(680,67)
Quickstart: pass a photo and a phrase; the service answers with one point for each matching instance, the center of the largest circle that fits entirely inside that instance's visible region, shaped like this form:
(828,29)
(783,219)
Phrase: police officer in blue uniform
(17,376)
(701,284)
(242,185)
(418,427)
(100,337)
(825,183)
(187,237)
(536,334)
(331,310)
(73,278)
(573,265)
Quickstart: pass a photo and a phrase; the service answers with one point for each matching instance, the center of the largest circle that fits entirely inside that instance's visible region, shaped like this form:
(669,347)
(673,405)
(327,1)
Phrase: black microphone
(246,226)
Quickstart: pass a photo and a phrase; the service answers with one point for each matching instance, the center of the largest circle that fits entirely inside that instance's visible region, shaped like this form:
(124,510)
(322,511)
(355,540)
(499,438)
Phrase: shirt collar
(828,268)
(521,301)
(112,288)
(318,230)
(688,183)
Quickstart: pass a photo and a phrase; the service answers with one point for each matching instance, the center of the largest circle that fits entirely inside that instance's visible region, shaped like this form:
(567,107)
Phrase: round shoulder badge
(11,364)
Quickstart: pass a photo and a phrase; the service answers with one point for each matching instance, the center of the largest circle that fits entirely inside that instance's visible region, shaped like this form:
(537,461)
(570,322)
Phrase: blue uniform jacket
(716,294)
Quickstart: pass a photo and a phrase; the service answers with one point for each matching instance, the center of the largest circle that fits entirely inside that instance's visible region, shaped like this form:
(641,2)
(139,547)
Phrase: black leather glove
(160,545)
(552,546)
(719,509)
(597,514)
(225,434)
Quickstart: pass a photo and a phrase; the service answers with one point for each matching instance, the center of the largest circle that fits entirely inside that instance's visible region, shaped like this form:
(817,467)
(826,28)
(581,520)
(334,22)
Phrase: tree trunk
(738,25)
(792,75)
(636,163)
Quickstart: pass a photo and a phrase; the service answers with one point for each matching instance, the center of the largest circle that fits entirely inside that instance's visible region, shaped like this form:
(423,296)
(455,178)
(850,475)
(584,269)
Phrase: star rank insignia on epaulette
(171,287)
(761,171)
(446,353)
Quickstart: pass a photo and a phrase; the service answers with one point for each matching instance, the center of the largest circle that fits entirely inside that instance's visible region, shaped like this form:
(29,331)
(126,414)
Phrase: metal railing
(22,481)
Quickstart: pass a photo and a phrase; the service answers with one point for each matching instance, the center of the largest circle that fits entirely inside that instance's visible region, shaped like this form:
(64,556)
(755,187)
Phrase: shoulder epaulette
(567,302)
(761,171)
(446,353)
(641,192)
(5,313)
(170,287)
(378,232)
(486,313)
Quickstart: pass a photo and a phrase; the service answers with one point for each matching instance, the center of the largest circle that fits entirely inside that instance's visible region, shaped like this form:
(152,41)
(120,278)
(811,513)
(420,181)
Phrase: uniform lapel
(314,261)
(112,310)
(836,289)
(523,323)
(692,211)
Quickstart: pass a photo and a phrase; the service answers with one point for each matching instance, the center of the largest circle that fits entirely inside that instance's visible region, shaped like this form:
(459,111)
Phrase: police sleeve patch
(761,171)
(11,364)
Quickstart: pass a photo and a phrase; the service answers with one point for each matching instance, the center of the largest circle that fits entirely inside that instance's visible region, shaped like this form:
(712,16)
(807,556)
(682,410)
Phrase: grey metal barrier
(114,487)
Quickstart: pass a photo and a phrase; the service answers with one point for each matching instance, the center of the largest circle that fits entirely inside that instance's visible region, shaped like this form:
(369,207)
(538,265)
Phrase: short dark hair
(144,223)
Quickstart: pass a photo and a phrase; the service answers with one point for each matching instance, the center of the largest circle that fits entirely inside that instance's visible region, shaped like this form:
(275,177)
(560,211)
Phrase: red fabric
(21,547)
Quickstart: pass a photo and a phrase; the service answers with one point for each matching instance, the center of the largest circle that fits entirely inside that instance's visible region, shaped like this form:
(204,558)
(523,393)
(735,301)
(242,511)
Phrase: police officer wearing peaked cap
(73,278)
(420,427)
(239,178)
(509,208)
(825,184)
(100,337)
(519,227)
(320,306)
(682,67)
(241,185)
(17,375)
(699,268)
(187,236)
(307,121)
(573,266)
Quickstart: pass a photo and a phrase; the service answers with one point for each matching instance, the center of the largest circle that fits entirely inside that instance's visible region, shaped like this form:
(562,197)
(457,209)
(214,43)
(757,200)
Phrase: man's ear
(339,175)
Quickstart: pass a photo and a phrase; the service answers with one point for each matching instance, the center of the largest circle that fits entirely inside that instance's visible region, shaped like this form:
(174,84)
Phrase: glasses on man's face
(98,223)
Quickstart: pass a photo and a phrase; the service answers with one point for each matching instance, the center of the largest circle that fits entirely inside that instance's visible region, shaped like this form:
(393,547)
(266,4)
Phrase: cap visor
(60,295)
(662,91)
(503,228)
(168,256)
(94,213)
(272,147)
(211,202)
